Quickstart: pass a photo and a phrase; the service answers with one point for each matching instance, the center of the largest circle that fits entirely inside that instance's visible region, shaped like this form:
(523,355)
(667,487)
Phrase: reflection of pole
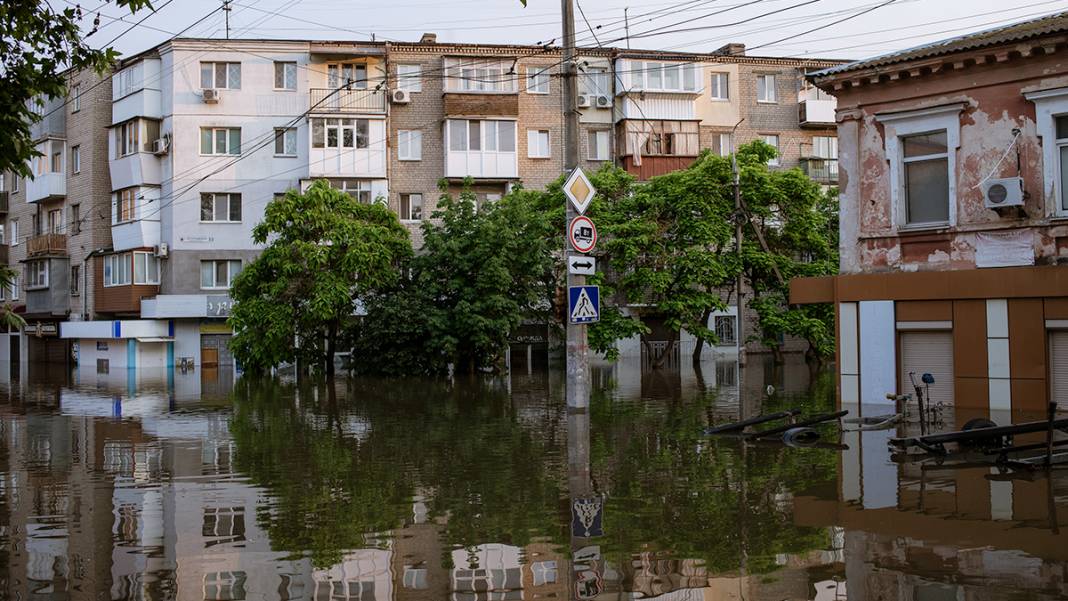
(579,485)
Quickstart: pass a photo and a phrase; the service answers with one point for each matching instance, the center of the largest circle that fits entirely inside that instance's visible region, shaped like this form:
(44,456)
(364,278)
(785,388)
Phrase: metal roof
(1014,32)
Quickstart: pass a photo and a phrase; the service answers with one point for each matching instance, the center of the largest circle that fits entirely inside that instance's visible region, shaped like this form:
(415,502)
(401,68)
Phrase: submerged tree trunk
(700,346)
(777,354)
(331,342)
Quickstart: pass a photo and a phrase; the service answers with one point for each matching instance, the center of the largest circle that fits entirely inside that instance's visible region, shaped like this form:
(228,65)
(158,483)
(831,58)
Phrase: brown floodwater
(203,486)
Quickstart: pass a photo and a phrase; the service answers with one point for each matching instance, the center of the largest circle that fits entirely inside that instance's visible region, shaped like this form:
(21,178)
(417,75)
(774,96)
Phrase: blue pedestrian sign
(583,304)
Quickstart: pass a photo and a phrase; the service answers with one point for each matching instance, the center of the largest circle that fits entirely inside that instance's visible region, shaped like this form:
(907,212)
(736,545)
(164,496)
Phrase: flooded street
(192,486)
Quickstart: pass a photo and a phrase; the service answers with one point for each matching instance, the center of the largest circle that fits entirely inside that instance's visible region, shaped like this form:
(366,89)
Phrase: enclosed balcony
(46,186)
(341,100)
(47,245)
(820,170)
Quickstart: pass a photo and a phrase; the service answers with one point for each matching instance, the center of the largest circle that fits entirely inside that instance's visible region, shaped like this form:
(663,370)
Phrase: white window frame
(536,139)
(150,259)
(321,128)
(1050,104)
(230,275)
(726,144)
(361,191)
(75,280)
(76,159)
(770,96)
(231,68)
(215,142)
(410,77)
(719,87)
(289,76)
(76,98)
(593,142)
(285,135)
(14,227)
(117,202)
(15,287)
(484,139)
(537,81)
(906,123)
(37,274)
(230,197)
(118,270)
(340,75)
(477,75)
(410,145)
(406,215)
(768,139)
(595,81)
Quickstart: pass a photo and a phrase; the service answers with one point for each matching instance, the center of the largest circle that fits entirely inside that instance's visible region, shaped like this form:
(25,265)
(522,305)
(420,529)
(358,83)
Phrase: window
(37,274)
(14,232)
(825,147)
(3,239)
(75,159)
(351,75)
(544,572)
(496,136)
(76,98)
(669,77)
(224,522)
(55,221)
(127,136)
(146,268)
(765,88)
(35,224)
(472,75)
(722,145)
(124,208)
(411,208)
(75,280)
(15,286)
(409,145)
(1061,127)
(725,329)
(772,140)
(660,143)
(220,207)
(720,89)
(926,169)
(537,80)
(285,142)
(75,219)
(357,188)
(57,162)
(218,274)
(117,270)
(538,143)
(598,145)
(220,140)
(595,81)
(341,133)
(410,78)
(220,75)
(224,586)
(415,578)
(16,180)
(285,75)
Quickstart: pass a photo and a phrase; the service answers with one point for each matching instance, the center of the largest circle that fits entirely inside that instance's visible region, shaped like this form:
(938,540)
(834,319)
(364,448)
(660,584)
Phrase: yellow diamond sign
(579,190)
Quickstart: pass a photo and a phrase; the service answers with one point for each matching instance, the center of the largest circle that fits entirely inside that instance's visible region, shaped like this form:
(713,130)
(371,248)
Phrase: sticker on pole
(579,190)
(582,234)
(583,304)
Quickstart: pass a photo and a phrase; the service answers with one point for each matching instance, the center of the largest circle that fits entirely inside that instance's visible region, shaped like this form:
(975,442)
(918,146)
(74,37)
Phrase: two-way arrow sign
(581,265)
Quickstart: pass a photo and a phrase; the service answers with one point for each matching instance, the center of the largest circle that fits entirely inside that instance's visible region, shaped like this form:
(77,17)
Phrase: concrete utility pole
(738,223)
(578,359)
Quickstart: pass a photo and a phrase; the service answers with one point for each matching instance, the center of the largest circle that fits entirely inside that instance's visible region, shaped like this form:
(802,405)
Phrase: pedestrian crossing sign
(583,304)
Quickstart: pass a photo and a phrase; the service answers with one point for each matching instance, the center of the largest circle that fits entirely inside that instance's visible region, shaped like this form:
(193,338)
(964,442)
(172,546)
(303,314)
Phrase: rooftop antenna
(226,9)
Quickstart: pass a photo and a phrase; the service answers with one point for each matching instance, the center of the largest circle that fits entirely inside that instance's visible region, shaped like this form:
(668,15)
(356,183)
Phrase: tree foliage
(325,252)
(38,44)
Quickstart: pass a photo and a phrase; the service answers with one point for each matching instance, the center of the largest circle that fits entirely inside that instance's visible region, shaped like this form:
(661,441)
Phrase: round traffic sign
(582,234)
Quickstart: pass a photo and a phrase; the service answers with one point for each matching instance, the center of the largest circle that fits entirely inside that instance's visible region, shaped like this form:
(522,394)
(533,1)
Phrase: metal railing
(326,100)
(47,244)
(824,171)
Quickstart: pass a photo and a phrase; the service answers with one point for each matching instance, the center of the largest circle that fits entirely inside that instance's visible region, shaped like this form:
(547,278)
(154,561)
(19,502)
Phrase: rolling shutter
(928,352)
(1058,367)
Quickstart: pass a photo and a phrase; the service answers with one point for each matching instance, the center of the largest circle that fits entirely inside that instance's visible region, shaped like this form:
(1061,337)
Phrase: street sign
(582,234)
(583,304)
(581,265)
(579,190)
(586,517)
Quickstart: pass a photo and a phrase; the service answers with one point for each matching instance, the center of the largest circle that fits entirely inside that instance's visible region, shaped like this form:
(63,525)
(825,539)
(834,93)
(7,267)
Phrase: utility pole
(226,9)
(738,221)
(578,358)
(626,25)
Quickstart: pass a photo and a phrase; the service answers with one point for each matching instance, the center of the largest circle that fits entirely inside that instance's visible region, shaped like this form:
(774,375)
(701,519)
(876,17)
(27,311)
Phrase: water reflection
(387,490)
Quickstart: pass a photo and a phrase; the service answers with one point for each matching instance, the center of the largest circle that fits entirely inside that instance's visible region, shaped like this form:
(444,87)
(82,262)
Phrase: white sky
(901,24)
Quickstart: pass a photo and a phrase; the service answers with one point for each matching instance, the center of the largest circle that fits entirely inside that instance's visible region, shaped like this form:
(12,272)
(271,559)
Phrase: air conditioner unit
(163,250)
(160,146)
(1003,192)
(604,101)
(211,96)
(400,96)
(583,100)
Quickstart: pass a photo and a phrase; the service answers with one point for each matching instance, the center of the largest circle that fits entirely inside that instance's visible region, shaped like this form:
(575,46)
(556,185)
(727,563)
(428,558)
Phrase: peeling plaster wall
(993,94)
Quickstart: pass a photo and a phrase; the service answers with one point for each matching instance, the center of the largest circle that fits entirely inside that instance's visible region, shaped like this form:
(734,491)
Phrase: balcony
(329,100)
(46,186)
(47,244)
(142,233)
(137,169)
(816,113)
(5,198)
(820,170)
(171,306)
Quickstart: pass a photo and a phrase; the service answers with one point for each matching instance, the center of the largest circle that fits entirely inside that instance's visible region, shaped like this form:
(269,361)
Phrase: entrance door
(209,357)
(1058,368)
(928,352)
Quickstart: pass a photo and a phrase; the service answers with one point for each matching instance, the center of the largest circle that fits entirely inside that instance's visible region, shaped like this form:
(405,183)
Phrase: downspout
(85,281)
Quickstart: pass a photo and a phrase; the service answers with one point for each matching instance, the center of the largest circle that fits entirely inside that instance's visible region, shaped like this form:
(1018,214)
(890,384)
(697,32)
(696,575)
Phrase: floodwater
(197,487)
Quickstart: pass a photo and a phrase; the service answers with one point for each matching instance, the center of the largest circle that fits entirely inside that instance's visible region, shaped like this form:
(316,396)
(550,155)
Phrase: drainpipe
(85,281)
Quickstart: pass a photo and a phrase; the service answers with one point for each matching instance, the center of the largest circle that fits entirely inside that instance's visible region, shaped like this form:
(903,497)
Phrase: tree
(9,320)
(325,252)
(38,44)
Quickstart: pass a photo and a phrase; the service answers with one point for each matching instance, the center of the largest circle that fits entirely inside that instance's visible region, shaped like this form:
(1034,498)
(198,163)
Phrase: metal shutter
(1058,367)
(928,352)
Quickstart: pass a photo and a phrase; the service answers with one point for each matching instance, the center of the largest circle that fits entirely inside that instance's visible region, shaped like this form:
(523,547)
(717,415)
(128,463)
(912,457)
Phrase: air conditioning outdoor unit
(583,100)
(160,146)
(211,96)
(163,250)
(1003,192)
(400,96)
(603,101)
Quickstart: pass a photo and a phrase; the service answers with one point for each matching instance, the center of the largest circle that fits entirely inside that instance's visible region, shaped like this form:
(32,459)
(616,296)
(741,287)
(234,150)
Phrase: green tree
(325,252)
(38,44)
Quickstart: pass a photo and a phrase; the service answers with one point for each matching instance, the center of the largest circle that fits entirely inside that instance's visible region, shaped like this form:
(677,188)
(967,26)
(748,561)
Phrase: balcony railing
(824,171)
(47,244)
(328,100)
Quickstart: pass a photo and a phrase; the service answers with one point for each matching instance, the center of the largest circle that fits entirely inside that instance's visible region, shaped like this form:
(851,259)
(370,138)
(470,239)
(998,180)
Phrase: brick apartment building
(140,244)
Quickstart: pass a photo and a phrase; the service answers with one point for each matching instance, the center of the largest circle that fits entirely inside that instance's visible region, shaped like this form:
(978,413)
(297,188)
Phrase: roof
(1014,32)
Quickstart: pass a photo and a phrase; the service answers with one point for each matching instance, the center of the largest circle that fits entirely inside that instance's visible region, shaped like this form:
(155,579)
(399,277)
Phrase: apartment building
(149,184)
(953,236)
